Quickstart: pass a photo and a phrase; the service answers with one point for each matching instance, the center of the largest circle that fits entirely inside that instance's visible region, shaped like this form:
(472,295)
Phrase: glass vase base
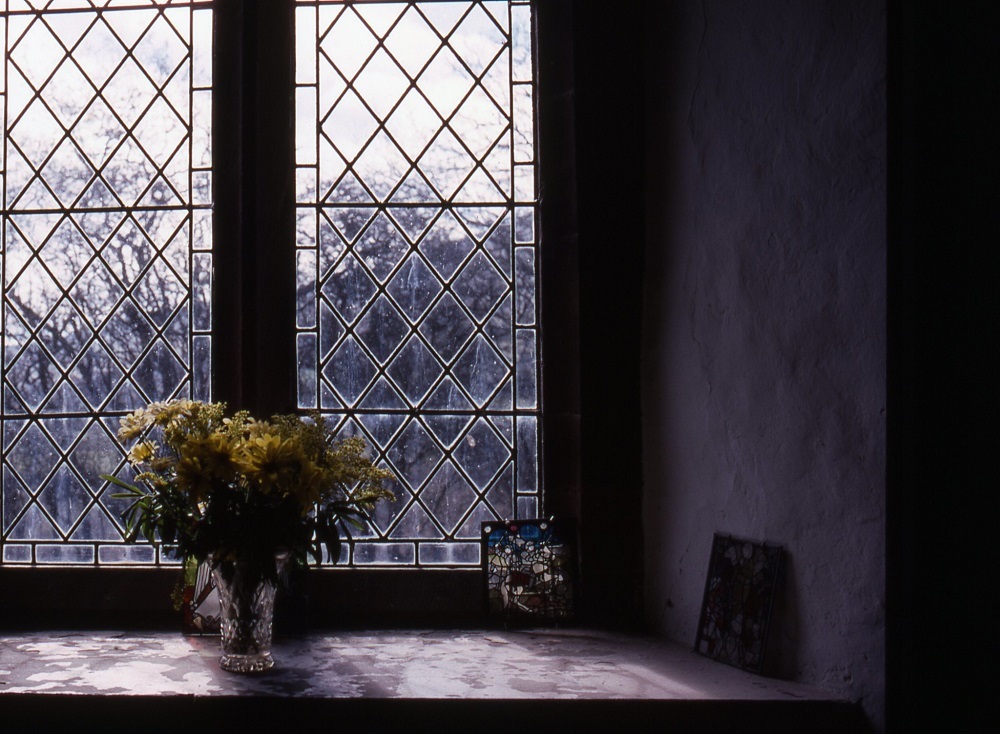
(247,663)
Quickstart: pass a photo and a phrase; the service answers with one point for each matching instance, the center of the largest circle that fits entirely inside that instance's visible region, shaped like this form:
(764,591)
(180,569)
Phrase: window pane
(106,186)
(410,118)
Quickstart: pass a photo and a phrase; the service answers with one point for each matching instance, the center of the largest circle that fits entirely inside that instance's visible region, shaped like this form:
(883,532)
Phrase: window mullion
(228,196)
(269,158)
(254,196)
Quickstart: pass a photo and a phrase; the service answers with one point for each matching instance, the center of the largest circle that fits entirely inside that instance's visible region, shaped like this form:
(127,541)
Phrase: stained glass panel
(105,179)
(529,567)
(736,609)
(417,316)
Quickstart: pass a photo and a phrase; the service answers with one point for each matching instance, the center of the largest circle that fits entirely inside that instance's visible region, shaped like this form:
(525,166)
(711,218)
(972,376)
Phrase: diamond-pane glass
(414,142)
(105,179)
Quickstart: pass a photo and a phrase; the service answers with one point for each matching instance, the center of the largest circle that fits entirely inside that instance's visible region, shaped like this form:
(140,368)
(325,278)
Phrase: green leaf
(353,521)
(115,480)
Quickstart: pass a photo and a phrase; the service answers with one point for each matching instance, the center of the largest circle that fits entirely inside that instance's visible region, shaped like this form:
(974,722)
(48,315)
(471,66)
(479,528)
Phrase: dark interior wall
(764,332)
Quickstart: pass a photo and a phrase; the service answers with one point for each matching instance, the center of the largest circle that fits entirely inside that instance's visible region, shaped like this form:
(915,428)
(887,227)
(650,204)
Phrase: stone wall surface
(764,320)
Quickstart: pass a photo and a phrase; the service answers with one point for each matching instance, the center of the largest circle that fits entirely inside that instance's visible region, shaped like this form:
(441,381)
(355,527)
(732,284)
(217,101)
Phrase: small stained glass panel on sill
(529,571)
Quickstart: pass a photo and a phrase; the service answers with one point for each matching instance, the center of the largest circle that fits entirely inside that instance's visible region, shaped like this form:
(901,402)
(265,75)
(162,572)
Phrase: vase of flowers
(248,496)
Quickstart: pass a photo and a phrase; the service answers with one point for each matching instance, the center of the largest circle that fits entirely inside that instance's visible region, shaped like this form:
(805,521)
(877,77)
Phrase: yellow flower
(270,463)
(134,424)
(154,480)
(192,479)
(161,463)
(259,429)
(165,413)
(142,452)
(215,455)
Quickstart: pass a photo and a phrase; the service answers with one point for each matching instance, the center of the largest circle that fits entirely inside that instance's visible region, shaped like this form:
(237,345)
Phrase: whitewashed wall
(764,320)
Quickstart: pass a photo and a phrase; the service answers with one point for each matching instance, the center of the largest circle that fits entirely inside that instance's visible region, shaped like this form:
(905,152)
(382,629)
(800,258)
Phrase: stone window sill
(427,680)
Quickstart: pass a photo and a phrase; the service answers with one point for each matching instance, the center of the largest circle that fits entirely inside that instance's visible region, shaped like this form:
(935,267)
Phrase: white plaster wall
(764,320)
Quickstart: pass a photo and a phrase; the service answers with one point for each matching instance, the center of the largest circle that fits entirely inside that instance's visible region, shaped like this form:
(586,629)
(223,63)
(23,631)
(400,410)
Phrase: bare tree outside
(416,252)
(106,165)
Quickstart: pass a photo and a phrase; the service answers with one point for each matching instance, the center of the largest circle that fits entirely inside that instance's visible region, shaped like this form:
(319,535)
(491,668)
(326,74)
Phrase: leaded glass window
(417,254)
(106,254)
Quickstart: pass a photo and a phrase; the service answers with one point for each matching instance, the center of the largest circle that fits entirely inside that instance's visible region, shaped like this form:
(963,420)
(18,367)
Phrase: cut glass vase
(246,598)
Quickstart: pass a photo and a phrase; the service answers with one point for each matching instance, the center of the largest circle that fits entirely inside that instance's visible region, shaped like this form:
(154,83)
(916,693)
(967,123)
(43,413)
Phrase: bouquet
(233,487)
